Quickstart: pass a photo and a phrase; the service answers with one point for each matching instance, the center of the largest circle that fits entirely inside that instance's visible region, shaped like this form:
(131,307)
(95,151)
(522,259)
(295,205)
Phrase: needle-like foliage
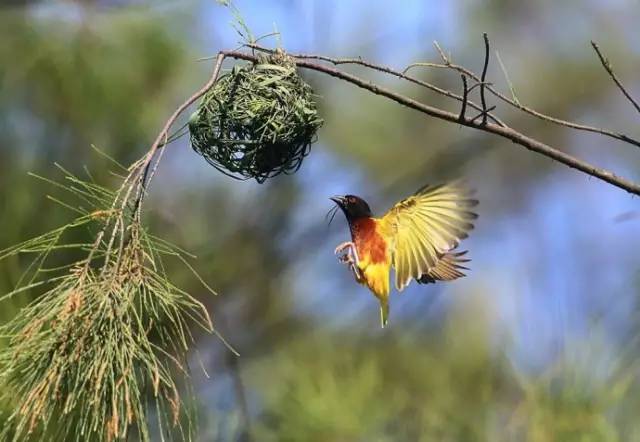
(101,350)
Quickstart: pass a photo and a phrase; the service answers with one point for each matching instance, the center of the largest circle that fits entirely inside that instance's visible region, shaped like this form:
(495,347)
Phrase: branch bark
(493,128)
(514,102)
(385,70)
(607,66)
(145,164)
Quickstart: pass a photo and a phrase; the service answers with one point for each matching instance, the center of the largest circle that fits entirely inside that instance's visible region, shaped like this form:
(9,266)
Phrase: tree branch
(386,70)
(137,181)
(607,66)
(505,132)
(516,103)
(483,78)
(140,170)
(465,95)
(145,165)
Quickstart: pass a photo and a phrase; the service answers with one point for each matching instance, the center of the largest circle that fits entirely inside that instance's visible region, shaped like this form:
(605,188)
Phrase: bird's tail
(449,267)
(384,311)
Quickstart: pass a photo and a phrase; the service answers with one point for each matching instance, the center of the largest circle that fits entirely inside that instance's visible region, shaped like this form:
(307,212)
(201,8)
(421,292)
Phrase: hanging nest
(257,121)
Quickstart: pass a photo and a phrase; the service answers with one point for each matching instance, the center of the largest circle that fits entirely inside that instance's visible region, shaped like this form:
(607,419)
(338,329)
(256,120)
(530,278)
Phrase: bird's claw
(342,246)
(349,258)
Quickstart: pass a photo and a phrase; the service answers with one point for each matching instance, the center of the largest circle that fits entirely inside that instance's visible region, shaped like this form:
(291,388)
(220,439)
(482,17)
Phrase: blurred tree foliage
(111,78)
(62,93)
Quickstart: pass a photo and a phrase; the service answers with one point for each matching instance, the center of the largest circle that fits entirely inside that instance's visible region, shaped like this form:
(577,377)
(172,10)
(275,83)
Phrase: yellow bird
(417,237)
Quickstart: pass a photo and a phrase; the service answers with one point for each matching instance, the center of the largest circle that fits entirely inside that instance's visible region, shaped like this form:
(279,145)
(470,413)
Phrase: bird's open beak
(339,200)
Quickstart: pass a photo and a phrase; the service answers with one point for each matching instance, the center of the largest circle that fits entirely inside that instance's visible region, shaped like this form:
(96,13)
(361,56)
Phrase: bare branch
(505,132)
(146,164)
(136,183)
(514,97)
(515,103)
(483,78)
(483,114)
(465,94)
(446,60)
(496,128)
(478,84)
(359,61)
(607,66)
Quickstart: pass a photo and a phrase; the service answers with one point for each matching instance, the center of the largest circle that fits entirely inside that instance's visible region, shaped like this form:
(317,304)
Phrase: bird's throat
(369,240)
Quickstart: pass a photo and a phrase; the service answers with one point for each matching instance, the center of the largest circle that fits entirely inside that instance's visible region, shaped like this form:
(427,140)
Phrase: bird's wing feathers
(425,226)
(448,268)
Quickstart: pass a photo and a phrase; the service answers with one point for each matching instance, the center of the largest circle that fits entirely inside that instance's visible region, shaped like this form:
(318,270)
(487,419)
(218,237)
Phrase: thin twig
(505,132)
(87,263)
(165,130)
(483,114)
(446,60)
(139,171)
(465,95)
(514,97)
(302,60)
(461,69)
(483,78)
(359,61)
(447,64)
(607,66)
(478,84)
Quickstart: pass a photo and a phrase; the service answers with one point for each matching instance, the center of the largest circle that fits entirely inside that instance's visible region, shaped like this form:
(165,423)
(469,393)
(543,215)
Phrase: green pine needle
(102,349)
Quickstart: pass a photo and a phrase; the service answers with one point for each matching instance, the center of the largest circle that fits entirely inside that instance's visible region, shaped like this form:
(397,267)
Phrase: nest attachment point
(257,121)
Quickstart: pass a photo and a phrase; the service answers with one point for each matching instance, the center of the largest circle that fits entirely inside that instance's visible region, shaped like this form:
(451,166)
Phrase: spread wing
(425,226)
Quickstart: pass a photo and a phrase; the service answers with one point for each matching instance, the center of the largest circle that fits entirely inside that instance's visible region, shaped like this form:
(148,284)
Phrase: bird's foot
(349,258)
(351,254)
(343,246)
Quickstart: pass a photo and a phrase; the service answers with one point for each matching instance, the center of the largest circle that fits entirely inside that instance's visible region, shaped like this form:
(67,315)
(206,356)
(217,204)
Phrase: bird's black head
(353,206)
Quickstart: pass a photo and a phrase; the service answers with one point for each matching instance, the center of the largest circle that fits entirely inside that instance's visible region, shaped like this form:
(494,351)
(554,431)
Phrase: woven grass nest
(257,121)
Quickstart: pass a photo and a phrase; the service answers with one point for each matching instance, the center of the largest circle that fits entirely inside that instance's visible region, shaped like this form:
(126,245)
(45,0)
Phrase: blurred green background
(538,343)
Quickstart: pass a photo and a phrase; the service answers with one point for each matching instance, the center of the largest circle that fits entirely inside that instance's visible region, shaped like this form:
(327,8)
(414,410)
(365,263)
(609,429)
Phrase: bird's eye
(352,200)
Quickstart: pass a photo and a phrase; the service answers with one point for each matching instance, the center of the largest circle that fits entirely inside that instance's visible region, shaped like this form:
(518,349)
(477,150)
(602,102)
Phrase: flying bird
(418,237)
